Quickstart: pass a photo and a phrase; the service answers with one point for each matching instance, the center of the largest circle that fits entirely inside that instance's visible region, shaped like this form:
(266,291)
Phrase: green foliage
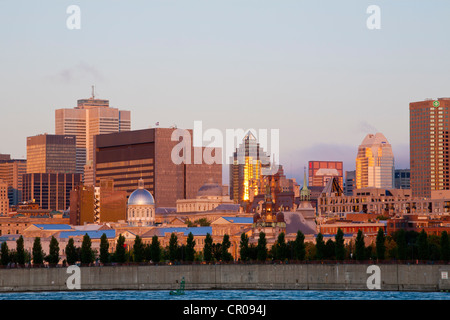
(380,245)
(320,247)
(86,254)
(226,244)
(279,249)
(261,248)
(445,246)
(330,249)
(190,247)
(339,247)
(155,250)
(120,253)
(173,247)
(53,256)
(207,249)
(360,247)
(422,246)
(20,251)
(203,222)
(138,250)
(299,246)
(71,252)
(38,254)
(104,249)
(244,250)
(402,245)
(5,259)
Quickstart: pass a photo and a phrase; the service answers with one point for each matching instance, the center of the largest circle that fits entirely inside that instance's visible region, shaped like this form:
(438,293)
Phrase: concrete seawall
(270,276)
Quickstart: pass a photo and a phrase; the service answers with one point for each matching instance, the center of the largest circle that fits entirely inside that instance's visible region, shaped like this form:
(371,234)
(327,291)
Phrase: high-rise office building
(126,157)
(11,171)
(4,201)
(50,190)
(375,163)
(402,179)
(48,153)
(350,182)
(429,138)
(91,117)
(320,172)
(246,170)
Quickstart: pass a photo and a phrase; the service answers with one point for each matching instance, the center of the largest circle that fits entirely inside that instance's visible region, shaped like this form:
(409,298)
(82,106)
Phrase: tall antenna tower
(93,92)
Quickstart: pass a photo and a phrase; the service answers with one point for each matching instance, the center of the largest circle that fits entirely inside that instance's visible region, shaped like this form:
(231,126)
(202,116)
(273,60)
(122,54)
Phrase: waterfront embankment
(387,277)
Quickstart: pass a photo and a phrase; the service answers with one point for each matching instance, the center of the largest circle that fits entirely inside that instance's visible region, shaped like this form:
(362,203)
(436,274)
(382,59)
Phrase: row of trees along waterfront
(402,245)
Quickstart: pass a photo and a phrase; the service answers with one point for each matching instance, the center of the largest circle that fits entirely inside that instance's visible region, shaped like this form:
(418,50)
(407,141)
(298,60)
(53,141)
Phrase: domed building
(209,196)
(141,207)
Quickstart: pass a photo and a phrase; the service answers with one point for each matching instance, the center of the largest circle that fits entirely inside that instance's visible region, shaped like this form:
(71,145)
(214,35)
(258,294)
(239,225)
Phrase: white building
(141,207)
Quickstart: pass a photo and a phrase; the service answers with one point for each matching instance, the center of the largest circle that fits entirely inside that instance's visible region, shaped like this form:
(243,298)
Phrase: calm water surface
(226,295)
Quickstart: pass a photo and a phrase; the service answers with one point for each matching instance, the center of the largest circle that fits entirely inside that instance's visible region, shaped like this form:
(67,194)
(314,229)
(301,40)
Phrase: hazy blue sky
(309,68)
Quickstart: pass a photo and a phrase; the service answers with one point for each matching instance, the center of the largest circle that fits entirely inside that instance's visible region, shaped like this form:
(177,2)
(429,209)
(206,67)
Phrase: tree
(208,247)
(190,247)
(4,254)
(226,244)
(445,246)
(20,251)
(299,246)
(329,249)
(380,245)
(87,255)
(261,248)
(38,254)
(244,251)
(339,247)
(320,247)
(422,246)
(155,250)
(71,252)
(53,256)
(360,247)
(279,249)
(138,249)
(104,249)
(173,247)
(402,245)
(120,254)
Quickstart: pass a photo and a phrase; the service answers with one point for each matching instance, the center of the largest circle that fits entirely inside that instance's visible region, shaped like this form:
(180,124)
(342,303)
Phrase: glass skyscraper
(375,163)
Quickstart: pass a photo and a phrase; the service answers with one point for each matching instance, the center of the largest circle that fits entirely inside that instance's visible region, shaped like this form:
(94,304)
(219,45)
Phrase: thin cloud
(79,73)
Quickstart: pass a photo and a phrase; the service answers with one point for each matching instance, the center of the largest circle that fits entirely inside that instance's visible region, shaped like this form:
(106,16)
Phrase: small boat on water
(179,291)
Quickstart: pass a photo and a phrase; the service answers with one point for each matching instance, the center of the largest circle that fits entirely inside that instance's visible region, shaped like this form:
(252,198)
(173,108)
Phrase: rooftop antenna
(93,93)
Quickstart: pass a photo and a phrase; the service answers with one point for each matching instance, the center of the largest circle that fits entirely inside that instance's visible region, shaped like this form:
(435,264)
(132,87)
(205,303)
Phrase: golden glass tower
(246,170)
(375,163)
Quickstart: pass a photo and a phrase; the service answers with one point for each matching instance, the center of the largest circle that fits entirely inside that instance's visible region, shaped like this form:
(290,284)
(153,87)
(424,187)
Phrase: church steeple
(305,193)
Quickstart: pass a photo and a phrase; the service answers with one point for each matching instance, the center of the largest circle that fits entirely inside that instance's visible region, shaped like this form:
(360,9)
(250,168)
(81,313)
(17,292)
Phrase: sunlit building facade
(375,163)
(91,117)
(247,170)
(320,172)
(127,157)
(51,154)
(49,190)
(429,155)
(11,171)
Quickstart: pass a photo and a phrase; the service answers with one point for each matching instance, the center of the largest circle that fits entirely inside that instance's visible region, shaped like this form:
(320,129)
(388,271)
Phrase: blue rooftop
(196,231)
(53,226)
(239,219)
(93,234)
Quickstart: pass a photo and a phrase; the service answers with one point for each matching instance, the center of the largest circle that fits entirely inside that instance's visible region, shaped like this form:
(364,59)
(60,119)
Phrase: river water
(226,295)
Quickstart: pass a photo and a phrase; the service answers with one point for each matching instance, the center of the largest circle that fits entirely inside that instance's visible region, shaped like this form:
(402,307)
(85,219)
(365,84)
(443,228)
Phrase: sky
(312,69)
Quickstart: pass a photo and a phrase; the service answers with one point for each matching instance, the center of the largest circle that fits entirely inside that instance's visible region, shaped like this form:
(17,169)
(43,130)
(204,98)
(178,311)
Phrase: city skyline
(314,71)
